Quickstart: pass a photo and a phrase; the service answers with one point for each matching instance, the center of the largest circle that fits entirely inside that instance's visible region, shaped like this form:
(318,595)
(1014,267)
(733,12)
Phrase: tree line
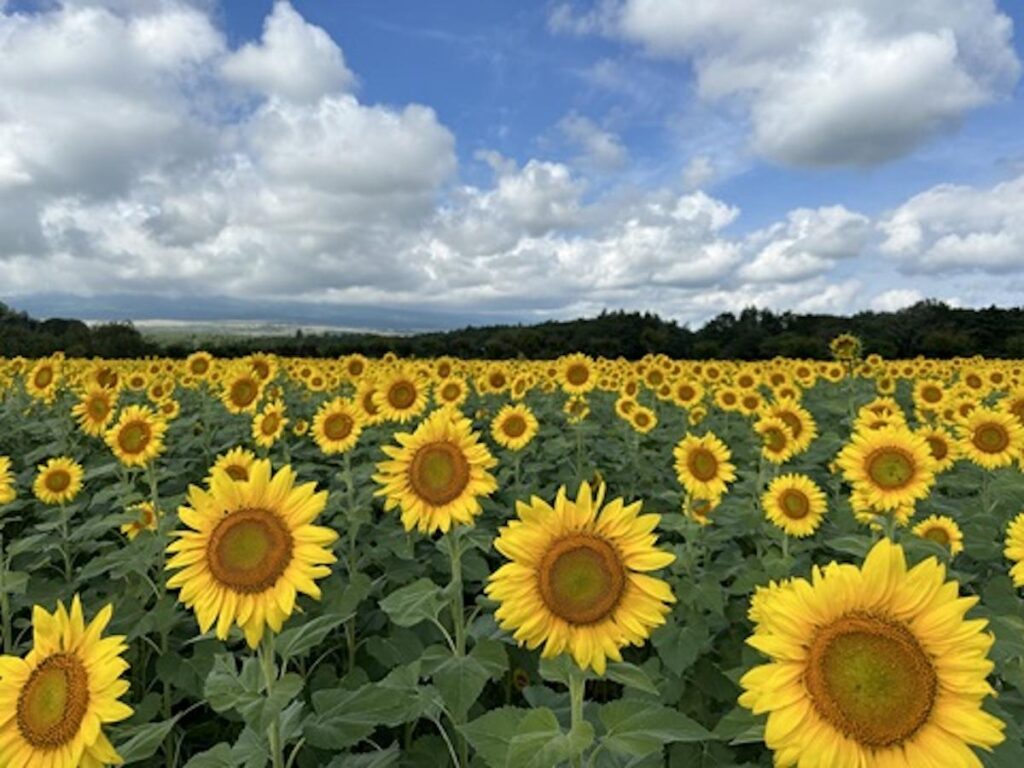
(929,328)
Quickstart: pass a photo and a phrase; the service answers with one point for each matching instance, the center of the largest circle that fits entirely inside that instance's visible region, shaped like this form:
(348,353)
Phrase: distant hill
(929,328)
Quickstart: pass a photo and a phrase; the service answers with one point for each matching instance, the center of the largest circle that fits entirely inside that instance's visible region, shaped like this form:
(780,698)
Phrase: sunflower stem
(5,599)
(65,544)
(266,657)
(453,539)
(352,559)
(577,686)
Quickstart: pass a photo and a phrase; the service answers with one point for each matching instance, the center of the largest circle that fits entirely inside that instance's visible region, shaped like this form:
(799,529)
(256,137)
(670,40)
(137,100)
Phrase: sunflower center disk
(439,473)
(271,423)
(337,426)
(515,426)
(98,408)
(577,375)
(249,550)
(58,481)
(53,702)
(243,392)
(795,505)
(582,579)
(938,448)
(775,439)
(871,679)
(938,535)
(237,472)
(402,395)
(703,464)
(890,469)
(991,438)
(793,422)
(133,437)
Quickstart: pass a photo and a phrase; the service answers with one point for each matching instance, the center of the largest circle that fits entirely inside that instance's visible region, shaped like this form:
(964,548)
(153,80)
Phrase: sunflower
(845,347)
(687,393)
(776,439)
(871,666)
(337,426)
(371,414)
(42,381)
(59,696)
(577,579)
(576,409)
(703,465)
(199,364)
(514,427)
(242,390)
(250,547)
(95,410)
(401,395)
(137,437)
(929,395)
(1014,550)
(943,447)
(237,463)
(699,510)
(436,474)
(799,420)
(148,517)
(991,439)
(891,466)
(268,425)
(643,419)
(942,530)
(58,481)
(8,492)
(451,392)
(795,504)
(576,374)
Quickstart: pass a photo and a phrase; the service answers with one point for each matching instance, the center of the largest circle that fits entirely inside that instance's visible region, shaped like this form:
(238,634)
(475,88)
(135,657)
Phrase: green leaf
(382,758)
(740,726)
(297,641)
(145,741)
(632,677)
(216,757)
(640,727)
(540,743)
(408,606)
(459,679)
(491,734)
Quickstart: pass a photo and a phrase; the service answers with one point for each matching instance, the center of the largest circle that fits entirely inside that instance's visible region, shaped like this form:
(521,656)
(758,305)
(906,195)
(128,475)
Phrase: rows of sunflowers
(350,562)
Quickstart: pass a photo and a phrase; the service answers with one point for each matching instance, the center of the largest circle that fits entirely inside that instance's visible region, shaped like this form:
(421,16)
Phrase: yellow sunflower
(799,420)
(401,395)
(699,510)
(57,699)
(872,666)
(95,410)
(576,374)
(58,481)
(199,364)
(147,520)
(42,381)
(514,427)
(137,437)
(991,439)
(704,466)
(451,392)
(577,581)
(242,390)
(250,547)
(845,347)
(891,466)
(942,530)
(643,419)
(943,447)
(269,424)
(8,492)
(1014,550)
(795,504)
(237,462)
(337,426)
(776,439)
(436,474)
(576,409)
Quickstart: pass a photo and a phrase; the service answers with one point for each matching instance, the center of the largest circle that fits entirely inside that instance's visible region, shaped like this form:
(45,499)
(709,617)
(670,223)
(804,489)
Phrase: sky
(413,165)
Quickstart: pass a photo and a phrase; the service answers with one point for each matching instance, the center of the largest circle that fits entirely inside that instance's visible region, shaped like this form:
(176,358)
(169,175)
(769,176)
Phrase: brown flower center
(249,550)
(338,426)
(134,436)
(991,438)
(870,678)
(890,468)
(582,579)
(795,504)
(702,464)
(439,473)
(53,703)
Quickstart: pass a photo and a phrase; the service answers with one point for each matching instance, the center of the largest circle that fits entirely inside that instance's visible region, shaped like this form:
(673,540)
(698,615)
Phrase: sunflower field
(287,562)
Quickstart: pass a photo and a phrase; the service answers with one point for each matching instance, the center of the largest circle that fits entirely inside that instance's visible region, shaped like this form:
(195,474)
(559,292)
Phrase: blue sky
(453,162)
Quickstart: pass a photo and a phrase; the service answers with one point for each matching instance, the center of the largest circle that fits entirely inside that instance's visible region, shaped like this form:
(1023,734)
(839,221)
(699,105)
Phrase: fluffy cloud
(294,60)
(600,149)
(855,82)
(952,228)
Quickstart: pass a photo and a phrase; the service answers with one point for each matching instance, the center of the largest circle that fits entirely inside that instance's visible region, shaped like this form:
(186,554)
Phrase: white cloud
(952,228)
(855,82)
(896,299)
(698,172)
(807,244)
(601,149)
(294,60)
